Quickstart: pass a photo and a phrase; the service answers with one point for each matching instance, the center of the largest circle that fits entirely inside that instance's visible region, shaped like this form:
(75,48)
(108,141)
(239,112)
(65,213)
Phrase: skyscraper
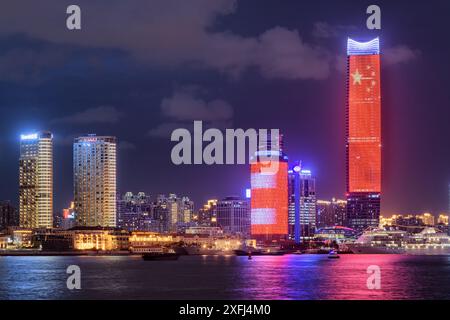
(448,207)
(36,180)
(233,216)
(325,214)
(135,213)
(331,213)
(269,191)
(175,213)
(363,133)
(294,203)
(308,203)
(94,169)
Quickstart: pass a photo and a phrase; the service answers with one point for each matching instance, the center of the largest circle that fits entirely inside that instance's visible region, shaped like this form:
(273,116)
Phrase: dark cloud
(173,33)
(102,114)
(400,54)
(282,54)
(184,107)
(164,130)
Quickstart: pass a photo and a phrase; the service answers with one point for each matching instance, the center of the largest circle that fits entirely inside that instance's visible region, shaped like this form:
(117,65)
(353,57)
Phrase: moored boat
(157,254)
(427,242)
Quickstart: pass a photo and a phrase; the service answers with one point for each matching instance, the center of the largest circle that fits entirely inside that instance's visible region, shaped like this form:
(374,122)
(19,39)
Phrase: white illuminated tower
(94,170)
(36,180)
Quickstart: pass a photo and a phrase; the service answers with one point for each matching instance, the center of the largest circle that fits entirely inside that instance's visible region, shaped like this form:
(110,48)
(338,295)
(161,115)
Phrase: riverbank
(27,253)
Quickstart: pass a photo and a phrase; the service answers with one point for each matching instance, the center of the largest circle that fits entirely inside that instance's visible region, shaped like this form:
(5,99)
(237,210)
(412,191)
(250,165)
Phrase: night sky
(139,69)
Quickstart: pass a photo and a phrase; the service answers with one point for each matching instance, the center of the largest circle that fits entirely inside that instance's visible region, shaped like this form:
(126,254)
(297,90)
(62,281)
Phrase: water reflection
(227,277)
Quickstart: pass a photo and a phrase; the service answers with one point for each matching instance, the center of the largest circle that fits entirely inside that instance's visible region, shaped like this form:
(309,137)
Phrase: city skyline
(296,167)
(414,110)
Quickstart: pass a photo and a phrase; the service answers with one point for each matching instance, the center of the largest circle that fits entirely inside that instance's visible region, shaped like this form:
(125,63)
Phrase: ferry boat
(198,250)
(379,241)
(265,251)
(333,255)
(156,254)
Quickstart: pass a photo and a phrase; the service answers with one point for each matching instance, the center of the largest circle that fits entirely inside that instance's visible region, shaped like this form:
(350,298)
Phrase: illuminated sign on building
(32,136)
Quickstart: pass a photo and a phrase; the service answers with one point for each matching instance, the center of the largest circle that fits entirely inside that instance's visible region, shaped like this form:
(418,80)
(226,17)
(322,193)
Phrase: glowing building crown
(363,48)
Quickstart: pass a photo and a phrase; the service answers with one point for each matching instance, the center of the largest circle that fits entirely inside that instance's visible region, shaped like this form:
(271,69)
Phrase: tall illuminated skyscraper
(36,180)
(94,170)
(294,202)
(448,207)
(269,191)
(308,204)
(363,145)
(302,204)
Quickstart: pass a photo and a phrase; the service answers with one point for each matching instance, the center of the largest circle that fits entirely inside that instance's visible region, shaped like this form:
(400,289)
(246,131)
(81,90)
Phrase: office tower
(94,169)
(325,214)
(36,180)
(269,190)
(294,203)
(307,205)
(363,133)
(340,212)
(207,216)
(8,215)
(331,213)
(233,216)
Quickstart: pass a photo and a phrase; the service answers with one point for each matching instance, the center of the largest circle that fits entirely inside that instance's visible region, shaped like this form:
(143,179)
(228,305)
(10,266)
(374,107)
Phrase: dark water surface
(216,277)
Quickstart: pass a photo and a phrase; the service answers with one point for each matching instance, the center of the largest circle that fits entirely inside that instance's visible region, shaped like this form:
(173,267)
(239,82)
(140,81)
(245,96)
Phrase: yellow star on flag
(357,77)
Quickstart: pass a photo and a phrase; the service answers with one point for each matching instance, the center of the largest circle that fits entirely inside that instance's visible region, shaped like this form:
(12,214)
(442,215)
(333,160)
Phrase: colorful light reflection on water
(217,277)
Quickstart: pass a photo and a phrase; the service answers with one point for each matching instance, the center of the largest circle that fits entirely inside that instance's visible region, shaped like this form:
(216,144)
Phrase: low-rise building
(5,241)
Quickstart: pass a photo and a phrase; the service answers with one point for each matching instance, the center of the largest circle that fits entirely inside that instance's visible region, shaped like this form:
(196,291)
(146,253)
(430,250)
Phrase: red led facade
(364,124)
(269,202)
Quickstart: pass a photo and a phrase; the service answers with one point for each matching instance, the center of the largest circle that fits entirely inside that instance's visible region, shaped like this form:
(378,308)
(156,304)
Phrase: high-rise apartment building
(363,133)
(36,180)
(95,179)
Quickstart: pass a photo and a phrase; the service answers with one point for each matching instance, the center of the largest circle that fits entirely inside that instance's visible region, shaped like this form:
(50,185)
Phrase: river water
(227,277)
